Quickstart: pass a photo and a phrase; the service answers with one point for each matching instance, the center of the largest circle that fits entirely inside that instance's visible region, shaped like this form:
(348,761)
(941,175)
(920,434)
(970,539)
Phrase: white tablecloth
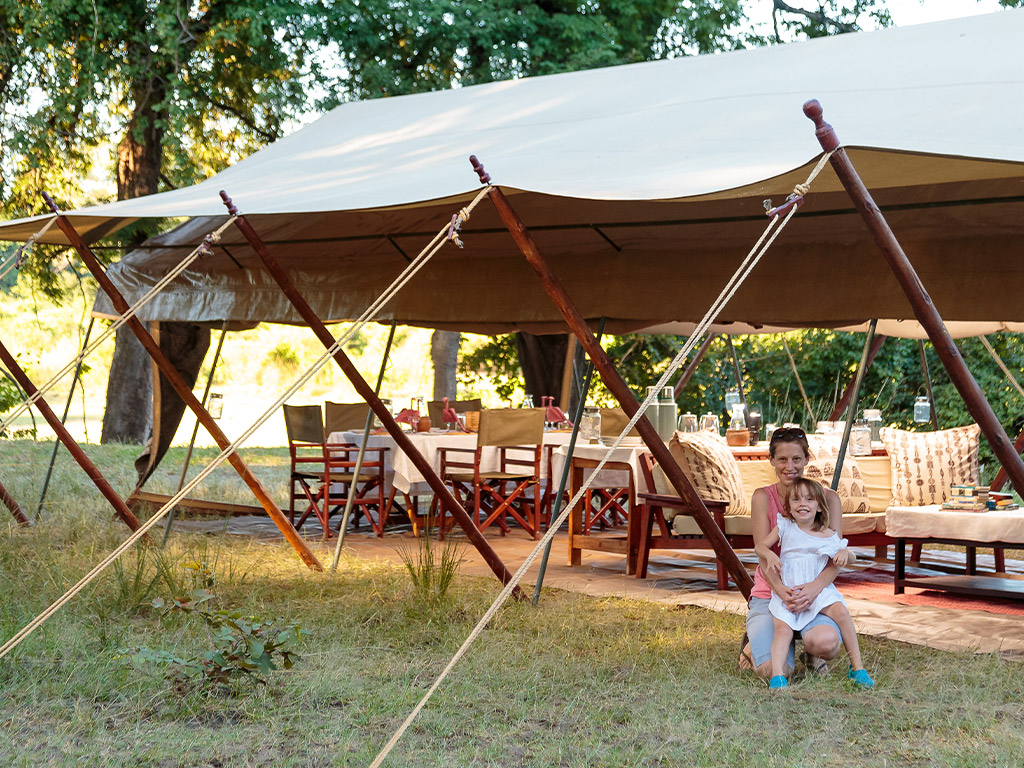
(608,478)
(402,473)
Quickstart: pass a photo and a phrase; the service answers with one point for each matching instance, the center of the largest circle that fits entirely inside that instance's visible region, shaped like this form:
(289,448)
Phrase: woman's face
(789,462)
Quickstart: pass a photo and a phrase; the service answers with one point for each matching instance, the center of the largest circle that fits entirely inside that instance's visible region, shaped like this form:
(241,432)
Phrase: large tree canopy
(152,94)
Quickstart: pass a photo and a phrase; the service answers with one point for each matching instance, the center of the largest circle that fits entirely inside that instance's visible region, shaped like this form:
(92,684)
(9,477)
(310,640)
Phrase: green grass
(577,681)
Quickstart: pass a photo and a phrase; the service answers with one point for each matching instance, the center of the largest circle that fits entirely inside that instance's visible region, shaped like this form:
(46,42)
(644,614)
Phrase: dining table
(621,470)
(402,474)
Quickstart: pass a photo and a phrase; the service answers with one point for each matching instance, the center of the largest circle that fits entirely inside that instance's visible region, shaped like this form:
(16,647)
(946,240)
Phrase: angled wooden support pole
(928,384)
(844,401)
(12,505)
(69,442)
(692,367)
(852,412)
(921,302)
(184,391)
(606,368)
(366,392)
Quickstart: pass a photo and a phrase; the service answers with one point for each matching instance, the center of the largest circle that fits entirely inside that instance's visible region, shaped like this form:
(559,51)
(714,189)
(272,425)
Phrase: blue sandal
(779,681)
(860,677)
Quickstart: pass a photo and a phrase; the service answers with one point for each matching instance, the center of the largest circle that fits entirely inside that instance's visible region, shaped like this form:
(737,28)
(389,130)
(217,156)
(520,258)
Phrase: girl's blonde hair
(816,492)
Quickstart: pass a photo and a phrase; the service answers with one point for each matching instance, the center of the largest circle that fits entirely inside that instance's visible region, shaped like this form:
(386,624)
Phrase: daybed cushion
(926,465)
(735,525)
(822,466)
(709,465)
(1005,526)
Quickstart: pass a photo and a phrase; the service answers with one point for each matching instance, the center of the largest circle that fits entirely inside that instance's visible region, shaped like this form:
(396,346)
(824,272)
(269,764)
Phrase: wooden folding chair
(513,489)
(435,408)
(305,428)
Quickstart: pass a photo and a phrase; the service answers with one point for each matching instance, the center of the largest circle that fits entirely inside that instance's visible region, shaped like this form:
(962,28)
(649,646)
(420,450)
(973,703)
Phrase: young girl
(806,546)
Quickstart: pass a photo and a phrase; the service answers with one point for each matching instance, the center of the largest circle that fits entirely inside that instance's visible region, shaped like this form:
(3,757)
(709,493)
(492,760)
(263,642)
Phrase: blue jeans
(761,631)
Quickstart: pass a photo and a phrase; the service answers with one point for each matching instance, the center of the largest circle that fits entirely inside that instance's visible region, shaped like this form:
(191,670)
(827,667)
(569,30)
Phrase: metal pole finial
(485,177)
(228,203)
(826,136)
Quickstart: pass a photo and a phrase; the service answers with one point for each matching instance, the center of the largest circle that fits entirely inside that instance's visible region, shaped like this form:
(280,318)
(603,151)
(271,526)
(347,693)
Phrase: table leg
(575,516)
(901,566)
(972,560)
(997,553)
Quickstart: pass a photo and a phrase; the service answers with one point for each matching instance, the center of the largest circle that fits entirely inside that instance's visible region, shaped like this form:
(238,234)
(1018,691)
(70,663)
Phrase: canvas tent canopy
(642,185)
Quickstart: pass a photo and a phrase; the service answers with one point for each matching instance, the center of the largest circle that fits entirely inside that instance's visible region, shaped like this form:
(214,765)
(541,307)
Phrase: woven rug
(877,584)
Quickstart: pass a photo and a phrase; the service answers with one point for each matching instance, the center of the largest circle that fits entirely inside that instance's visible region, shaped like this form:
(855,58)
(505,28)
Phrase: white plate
(627,442)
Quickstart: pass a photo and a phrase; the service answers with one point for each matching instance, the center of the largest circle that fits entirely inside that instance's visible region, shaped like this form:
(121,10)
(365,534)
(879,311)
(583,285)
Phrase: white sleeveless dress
(804,557)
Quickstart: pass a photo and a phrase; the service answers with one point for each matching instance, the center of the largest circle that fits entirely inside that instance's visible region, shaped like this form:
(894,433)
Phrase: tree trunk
(542,359)
(128,415)
(444,354)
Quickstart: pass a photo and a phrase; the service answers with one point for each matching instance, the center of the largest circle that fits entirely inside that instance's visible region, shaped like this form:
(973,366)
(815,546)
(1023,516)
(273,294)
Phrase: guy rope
(763,243)
(389,293)
(202,249)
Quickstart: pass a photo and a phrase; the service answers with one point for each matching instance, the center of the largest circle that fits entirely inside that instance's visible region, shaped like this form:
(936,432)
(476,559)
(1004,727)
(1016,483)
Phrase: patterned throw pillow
(926,465)
(822,467)
(708,463)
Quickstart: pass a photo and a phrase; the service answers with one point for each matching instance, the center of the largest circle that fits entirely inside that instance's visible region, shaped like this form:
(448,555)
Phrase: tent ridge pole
(925,311)
(184,391)
(617,386)
(366,392)
(71,444)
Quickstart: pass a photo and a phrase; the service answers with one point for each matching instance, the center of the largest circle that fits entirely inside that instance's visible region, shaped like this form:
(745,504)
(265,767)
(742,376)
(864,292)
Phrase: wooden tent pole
(64,419)
(692,367)
(69,442)
(928,385)
(844,401)
(366,392)
(738,372)
(799,383)
(12,505)
(195,431)
(619,389)
(184,391)
(921,302)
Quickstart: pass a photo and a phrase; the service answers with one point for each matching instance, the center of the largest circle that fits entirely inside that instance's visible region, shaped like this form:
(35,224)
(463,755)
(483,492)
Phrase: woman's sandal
(745,663)
(814,664)
(860,677)
(779,681)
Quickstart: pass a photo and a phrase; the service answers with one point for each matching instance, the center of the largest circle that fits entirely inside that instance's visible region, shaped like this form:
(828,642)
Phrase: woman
(788,454)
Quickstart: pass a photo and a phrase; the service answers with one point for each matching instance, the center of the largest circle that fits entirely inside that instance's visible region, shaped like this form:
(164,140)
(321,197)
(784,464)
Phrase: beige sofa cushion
(822,467)
(737,525)
(710,466)
(926,465)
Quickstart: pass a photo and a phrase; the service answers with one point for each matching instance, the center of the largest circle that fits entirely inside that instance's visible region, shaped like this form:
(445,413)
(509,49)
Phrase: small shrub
(241,647)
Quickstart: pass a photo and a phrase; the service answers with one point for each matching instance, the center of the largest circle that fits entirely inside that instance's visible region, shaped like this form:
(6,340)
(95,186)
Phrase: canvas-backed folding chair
(351,417)
(435,409)
(511,490)
(305,428)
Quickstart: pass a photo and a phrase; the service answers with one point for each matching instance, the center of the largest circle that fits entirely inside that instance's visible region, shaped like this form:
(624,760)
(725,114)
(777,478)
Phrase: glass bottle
(922,410)
(873,416)
(688,422)
(590,423)
(860,439)
(668,412)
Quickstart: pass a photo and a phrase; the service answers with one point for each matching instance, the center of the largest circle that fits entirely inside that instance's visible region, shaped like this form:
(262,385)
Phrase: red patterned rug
(876,584)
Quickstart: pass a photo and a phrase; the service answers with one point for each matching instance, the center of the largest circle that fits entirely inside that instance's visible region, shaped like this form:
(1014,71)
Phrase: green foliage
(495,361)
(241,647)
(284,356)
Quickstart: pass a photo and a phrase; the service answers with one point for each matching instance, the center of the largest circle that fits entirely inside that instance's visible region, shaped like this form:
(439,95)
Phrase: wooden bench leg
(915,553)
(972,560)
(997,554)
